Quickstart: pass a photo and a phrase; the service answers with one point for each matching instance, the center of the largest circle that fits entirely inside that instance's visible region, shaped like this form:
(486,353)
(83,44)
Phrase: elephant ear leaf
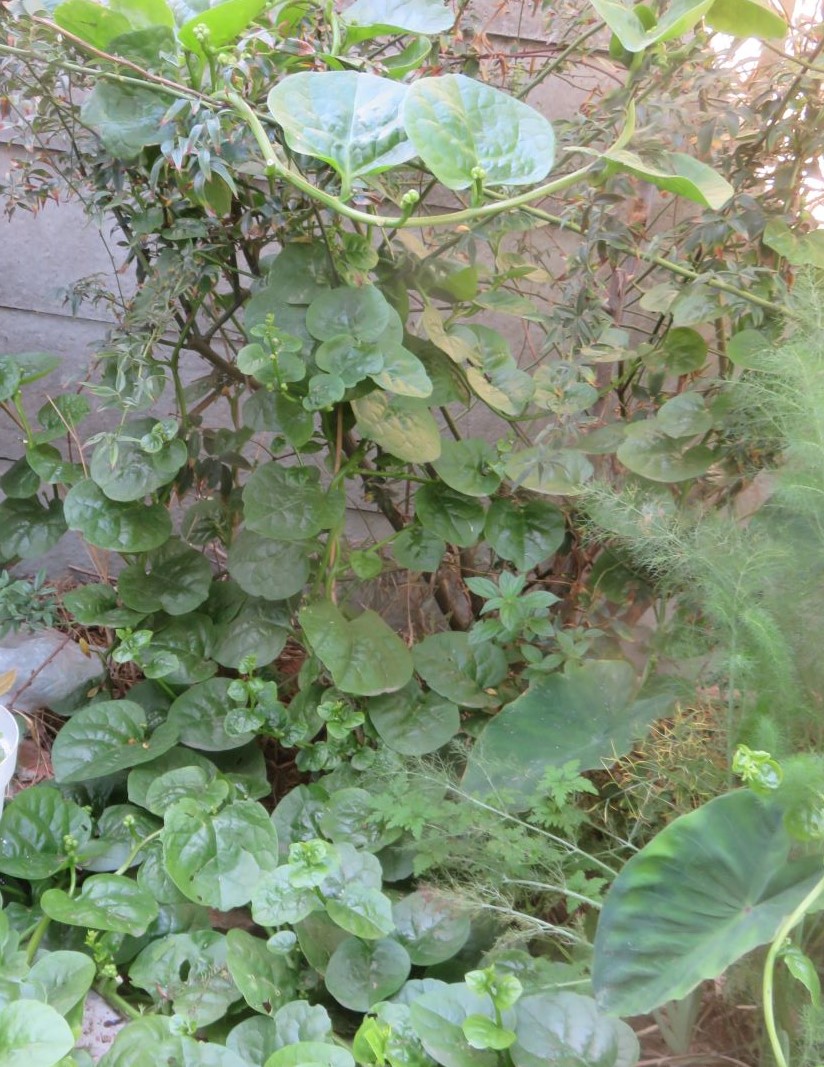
(710,887)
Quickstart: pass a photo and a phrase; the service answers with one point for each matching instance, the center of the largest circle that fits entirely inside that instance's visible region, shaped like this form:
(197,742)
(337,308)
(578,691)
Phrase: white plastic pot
(9,740)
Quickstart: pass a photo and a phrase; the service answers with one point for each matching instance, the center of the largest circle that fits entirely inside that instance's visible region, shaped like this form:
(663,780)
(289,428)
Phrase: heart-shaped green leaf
(199,713)
(450,515)
(106,902)
(267,568)
(746,18)
(364,656)
(289,503)
(403,426)
(34,829)
(350,120)
(431,928)
(105,523)
(679,174)
(126,118)
(107,737)
(525,532)
(413,722)
(708,888)
(568,1028)
(468,466)
(360,974)
(555,472)
(33,1035)
(460,127)
(174,578)
(224,21)
(27,529)
(651,453)
(375,18)
(462,673)
(217,860)
(630,29)
(266,979)
(61,979)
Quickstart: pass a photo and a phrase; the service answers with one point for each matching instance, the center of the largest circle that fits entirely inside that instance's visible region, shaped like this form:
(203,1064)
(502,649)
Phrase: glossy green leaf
(188,970)
(360,974)
(456,518)
(129,473)
(746,18)
(118,828)
(350,120)
(174,578)
(126,118)
(525,532)
(591,713)
(403,373)
(107,737)
(20,481)
(267,568)
(628,26)
(403,426)
(652,454)
(418,549)
(684,415)
(462,673)
(10,377)
(257,1038)
(105,523)
(61,979)
(678,173)
(196,783)
(34,829)
(347,819)
(468,466)
(281,414)
(431,928)
(412,722)
(682,351)
(568,1028)
(96,605)
(94,23)
(199,713)
(106,902)
(459,126)
(363,911)
(348,360)
(224,21)
(266,980)
(149,1041)
(555,472)
(360,313)
(746,348)
(373,18)
(315,1053)
(708,888)
(27,529)
(364,656)
(60,414)
(259,629)
(484,1033)
(33,1035)
(437,1018)
(799,249)
(217,860)
(289,503)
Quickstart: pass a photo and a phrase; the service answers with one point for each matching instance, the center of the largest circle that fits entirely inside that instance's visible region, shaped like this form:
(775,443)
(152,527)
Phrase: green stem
(126,864)
(769,968)
(36,938)
(113,998)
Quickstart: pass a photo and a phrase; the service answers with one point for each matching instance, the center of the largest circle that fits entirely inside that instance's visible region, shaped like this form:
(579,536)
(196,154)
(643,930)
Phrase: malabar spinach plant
(316,205)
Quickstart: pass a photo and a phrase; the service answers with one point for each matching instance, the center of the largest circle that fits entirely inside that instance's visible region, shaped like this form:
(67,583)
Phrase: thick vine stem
(783,931)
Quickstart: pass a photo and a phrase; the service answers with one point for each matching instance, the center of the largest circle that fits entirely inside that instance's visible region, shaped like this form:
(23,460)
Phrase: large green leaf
(350,120)
(525,532)
(259,629)
(174,578)
(630,29)
(199,713)
(679,174)
(61,979)
(217,860)
(311,1054)
(360,974)
(402,373)
(126,118)
(431,928)
(148,1041)
(438,1017)
(799,249)
(459,126)
(450,515)
(33,833)
(289,503)
(27,529)
(94,23)
(555,1028)
(555,472)
(189,971)
(33,1035)
(266,568)
(468,466)
(648,451)
(105,523)
(126,472)
(266,979)
(364,656)
(362,314)
(746,18)
(224,21)
(107,737)
(711,886)
(462,673)
(413,722)
(589,713)
(372,18)
(403,426)
(106,902)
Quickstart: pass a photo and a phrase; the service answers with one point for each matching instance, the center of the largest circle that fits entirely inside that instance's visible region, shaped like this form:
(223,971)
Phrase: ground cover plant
(307,836)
